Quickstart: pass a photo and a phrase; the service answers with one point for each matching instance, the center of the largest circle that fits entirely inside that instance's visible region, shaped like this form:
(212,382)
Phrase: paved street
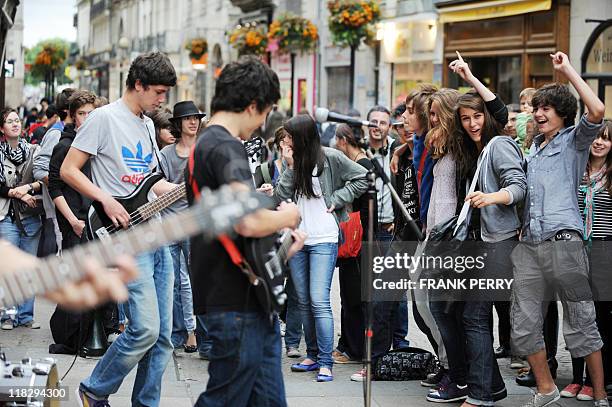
(186,375)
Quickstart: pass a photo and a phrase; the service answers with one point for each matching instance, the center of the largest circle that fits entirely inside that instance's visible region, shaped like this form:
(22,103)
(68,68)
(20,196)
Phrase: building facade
(591,46)
(410,49)
(506,42)
(14,52)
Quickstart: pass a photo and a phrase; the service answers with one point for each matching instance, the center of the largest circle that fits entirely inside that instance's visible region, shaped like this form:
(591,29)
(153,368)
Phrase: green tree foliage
(47,62)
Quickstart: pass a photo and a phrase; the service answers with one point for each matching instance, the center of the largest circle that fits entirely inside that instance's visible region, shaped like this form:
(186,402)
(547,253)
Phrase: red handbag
(353,234)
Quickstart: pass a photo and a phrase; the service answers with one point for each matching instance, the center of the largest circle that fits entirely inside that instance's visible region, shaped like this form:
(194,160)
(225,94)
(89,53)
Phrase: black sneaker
(502,352)
(500,394)
(449,394)
(433,381)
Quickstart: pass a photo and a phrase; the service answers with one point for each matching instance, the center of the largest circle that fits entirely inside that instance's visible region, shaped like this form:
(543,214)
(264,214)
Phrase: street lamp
(123,44)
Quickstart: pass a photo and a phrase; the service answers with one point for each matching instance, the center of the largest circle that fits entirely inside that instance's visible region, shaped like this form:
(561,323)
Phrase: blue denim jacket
(553,175)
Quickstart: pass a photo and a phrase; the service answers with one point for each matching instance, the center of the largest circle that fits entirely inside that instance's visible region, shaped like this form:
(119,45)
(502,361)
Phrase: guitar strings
(139,215)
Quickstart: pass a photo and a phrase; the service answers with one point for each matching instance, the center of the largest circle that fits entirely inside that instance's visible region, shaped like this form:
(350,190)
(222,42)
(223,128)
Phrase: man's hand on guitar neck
(162,186)
(98,285)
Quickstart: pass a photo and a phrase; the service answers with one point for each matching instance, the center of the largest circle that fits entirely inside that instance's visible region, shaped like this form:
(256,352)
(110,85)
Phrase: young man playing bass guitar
(119,140)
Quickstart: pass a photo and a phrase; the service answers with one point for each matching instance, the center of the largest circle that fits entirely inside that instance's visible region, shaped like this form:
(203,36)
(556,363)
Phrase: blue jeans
(28,242)
(483,372)
(146,340)
(449,318)
(312,269)
(245,361)
(293,330)
(183,320)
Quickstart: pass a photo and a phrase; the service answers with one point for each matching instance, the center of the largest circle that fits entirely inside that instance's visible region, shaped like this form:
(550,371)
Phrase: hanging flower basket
(249,39)
(352,21)
(197,47)
(80,64)
(292,34)
(51,57)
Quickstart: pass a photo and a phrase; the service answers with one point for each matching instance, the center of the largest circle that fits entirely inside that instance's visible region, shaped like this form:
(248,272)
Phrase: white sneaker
(360,376)
(516,362)
(7,325)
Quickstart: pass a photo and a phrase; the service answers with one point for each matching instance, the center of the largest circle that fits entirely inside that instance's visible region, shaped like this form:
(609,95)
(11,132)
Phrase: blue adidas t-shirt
(122,147)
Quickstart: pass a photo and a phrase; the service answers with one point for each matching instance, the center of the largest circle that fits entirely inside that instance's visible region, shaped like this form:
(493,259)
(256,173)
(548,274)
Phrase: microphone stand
(377,170)
(367,389)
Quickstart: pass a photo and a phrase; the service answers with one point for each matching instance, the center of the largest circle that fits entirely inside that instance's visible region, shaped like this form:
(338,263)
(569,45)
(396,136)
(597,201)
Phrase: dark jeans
(384,314)
(483,373)
(503,328)
(604,322)
(47,244)
(245,361)
(293,318)
(202,338)
(400,329)
(351,339)
(449,318)
(551,330)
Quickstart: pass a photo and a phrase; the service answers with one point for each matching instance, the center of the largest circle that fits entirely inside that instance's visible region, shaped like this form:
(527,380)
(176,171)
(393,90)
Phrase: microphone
(324,115)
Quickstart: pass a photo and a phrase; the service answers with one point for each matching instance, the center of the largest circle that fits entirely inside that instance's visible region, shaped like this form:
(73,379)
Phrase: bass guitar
(137,204)
(211,216)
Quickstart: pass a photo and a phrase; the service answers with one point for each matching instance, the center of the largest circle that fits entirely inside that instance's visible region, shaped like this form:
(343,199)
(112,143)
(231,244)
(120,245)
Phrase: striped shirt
(602,217)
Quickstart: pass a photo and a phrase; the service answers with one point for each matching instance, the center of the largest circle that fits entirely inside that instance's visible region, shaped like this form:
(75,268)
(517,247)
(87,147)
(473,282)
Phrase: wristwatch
(31,190)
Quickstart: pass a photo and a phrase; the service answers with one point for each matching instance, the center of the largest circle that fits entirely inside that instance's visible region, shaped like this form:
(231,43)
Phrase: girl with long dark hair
(480,117)
(322,181)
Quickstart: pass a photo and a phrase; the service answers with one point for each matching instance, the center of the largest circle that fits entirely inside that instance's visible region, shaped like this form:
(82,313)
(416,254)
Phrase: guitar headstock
(219,210)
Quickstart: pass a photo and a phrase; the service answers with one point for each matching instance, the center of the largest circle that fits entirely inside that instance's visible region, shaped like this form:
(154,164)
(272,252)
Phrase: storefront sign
(483,10)
(600,57)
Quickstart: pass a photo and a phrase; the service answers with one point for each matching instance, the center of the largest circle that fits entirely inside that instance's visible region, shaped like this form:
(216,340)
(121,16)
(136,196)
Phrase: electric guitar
(268,257)
(137,204)
(211,216)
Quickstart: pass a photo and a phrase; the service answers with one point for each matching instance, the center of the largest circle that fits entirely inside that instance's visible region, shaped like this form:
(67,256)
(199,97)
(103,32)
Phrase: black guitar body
(98,223)
(271,267)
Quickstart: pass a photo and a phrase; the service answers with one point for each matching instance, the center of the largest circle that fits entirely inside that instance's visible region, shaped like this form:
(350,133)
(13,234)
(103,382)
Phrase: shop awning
(482,10)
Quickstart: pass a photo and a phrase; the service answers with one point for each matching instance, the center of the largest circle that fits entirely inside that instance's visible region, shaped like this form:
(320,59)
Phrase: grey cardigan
(503,169)
(342,180)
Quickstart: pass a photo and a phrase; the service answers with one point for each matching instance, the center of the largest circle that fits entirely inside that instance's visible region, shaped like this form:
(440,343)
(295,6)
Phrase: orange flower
(251,39)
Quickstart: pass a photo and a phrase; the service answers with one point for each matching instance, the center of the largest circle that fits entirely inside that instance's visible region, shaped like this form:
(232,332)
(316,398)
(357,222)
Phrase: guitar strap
(227,243)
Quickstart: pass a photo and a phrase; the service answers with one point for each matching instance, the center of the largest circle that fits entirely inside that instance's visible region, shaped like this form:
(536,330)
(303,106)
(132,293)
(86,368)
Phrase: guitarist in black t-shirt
(245,358)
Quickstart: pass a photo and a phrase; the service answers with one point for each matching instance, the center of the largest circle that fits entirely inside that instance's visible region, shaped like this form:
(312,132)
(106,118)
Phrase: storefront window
(406,77)
(540,70)
(500,74)
(338,83)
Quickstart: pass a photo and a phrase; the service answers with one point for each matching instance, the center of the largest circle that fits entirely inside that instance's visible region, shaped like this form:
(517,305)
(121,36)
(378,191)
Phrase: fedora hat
(185,109)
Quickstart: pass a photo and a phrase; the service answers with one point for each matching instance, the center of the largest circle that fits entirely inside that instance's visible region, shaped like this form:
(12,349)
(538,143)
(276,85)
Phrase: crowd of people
(442,150)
